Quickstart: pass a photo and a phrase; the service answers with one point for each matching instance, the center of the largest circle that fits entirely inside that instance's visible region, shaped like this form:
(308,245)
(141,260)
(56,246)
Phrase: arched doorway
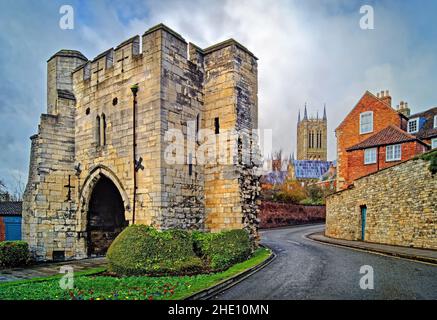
(106,217)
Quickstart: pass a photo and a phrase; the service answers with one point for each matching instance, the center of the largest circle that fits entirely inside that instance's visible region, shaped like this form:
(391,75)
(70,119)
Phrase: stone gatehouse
(98,161)
(396,206)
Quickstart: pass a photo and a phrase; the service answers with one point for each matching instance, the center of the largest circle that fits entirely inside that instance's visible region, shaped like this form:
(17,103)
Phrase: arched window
(98,130)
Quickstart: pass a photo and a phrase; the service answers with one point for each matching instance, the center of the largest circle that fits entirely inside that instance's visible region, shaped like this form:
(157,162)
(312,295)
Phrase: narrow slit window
(190,164)
(98,130)
(197,126)
(103,137)
(217,125)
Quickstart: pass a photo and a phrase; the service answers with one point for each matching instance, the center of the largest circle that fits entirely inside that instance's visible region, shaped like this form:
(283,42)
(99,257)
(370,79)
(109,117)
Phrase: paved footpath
(397,251)
(49,269)
(308,269)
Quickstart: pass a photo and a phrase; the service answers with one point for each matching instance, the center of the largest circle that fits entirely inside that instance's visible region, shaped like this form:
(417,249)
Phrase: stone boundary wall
(401,203)
(275,214)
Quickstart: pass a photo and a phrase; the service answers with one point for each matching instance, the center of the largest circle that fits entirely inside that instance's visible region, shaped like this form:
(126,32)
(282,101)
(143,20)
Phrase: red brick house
(388,147)
(374,136)
(369,116)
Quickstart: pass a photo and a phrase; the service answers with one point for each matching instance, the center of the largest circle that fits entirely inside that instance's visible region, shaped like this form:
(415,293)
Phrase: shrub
(142,250)
(222,250)
(13,253)
(290,192)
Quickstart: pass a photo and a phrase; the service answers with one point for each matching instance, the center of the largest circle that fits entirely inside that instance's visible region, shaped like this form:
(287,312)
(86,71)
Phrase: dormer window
(366,122)
(435,121)
(413,125)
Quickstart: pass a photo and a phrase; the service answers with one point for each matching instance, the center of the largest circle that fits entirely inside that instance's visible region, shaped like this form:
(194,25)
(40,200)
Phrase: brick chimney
(403,108)
(385,96)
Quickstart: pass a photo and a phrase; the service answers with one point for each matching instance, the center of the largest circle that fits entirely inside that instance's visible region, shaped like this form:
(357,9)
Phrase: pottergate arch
(103,207)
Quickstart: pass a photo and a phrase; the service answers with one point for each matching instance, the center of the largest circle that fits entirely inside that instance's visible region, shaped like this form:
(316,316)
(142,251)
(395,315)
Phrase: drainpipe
(134,90)
(377,158)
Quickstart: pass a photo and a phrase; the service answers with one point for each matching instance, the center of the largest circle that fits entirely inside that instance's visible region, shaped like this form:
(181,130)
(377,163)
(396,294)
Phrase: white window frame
(435,121)
(416,120)
(370,155)
(361,119)
(434,143)
(390,153)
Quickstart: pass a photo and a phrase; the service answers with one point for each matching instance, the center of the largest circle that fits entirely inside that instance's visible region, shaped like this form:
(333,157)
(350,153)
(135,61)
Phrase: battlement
(152,40)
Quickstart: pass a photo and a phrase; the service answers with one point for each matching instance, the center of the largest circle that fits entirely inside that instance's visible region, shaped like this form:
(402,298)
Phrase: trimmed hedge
(13,254)
(142,250)
(222,250)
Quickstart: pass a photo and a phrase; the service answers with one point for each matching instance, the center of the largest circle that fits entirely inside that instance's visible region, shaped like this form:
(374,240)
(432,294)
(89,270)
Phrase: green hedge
(142,250)
(13,254)
(222,250)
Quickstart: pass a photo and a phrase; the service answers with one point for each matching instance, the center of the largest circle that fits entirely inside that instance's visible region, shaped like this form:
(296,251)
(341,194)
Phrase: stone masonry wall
(87,134)
(401,206)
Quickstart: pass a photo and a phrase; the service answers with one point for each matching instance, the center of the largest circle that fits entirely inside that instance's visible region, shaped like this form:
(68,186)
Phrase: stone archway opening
(105,217)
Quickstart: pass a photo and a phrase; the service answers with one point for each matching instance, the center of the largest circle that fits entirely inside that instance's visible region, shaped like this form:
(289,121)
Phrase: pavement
(49,269)
(308,269)
(397,251)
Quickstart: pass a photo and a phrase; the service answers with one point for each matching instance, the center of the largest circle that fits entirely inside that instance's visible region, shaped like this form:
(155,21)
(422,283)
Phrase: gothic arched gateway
(105,218)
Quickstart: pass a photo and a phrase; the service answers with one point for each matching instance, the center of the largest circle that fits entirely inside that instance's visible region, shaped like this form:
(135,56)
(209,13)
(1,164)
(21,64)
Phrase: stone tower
(312,137)
(103,155)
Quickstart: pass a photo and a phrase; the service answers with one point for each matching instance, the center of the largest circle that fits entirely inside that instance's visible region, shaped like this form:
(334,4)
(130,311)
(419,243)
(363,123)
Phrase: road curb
(208,293)
(367,249)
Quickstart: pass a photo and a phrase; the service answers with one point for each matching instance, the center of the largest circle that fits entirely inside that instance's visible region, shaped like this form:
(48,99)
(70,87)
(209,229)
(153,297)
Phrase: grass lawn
(89,285)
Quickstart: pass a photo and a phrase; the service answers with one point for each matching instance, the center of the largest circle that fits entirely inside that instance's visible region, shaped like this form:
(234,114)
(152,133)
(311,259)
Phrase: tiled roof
(274,177)
(10,208)
(389,135)
(427,130)
(310,169)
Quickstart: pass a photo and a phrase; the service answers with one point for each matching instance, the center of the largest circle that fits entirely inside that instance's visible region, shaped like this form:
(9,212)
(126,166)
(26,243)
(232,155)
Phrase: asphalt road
(305,269)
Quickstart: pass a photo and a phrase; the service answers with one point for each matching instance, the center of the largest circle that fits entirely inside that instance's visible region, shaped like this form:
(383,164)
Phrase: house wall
(348,133)
(401,206)
(358,169)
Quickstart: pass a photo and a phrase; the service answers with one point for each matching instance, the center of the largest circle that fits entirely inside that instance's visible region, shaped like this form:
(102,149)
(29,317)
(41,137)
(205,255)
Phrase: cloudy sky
(310,51)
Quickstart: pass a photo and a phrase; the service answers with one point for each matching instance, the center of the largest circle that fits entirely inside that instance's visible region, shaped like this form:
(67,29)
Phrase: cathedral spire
(298,117)
(324,112)
(305,115)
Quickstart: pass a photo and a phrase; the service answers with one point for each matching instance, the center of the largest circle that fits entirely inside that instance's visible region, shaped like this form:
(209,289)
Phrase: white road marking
(294,242)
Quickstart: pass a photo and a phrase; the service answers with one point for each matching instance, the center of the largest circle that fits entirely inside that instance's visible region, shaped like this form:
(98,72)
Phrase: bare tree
(4,193)
(18,188)
(14,193)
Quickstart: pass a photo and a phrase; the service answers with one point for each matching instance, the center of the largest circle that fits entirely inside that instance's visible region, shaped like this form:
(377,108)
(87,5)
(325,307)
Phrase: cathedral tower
(312,137)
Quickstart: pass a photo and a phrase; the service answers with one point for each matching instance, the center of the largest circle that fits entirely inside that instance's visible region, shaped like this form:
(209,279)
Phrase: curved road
(305,269)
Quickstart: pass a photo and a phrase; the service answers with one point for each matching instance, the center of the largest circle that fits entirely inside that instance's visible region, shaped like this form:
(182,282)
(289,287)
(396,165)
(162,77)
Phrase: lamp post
(134,90)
